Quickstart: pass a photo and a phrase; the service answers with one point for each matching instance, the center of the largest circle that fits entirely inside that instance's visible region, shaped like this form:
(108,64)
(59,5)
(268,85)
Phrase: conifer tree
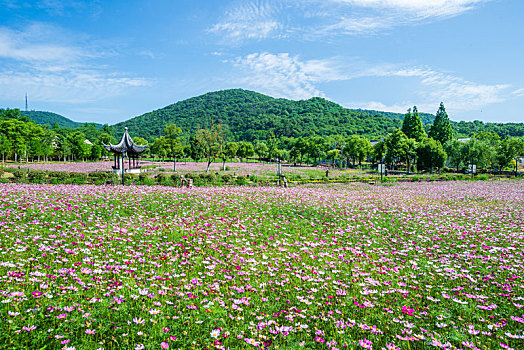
(441,129)
(412,125)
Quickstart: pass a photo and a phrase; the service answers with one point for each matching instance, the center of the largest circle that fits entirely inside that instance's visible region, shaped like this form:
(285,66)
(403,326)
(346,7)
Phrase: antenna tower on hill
(26,101)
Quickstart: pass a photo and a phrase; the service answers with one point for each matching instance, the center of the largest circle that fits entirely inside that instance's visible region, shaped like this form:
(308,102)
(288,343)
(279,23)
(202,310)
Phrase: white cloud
(41,61)
(283,75)
(261,19)
(518,92)
(424,8)
(250,20)
(279,75)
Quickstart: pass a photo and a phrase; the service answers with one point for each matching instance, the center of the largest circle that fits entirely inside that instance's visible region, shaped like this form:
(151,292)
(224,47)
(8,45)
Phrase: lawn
(405,266)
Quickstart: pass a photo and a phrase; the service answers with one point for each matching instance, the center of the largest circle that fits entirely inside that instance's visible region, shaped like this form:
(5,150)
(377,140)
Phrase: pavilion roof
(126,144)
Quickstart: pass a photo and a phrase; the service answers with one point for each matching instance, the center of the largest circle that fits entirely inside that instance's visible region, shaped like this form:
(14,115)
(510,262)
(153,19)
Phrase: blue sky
(108,61)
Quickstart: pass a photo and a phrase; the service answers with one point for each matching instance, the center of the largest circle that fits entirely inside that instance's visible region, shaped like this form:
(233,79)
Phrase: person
(284,180)
(327,172)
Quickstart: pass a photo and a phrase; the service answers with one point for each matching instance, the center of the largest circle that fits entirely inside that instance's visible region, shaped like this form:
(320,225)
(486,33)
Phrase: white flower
(215,333)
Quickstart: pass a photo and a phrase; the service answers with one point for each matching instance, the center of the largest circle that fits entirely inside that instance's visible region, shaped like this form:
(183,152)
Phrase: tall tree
(172,134)
(412,125)
(431,154)
(454,151)
(210,141)
(230,152)
(441,129)
(261,149)
(5,146)
(245,149)
(511,149)
(357,148)
(396,147)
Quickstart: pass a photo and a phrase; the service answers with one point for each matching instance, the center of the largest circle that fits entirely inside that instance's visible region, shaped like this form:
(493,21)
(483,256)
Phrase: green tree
(333,155)
(230,152)
(356,148)
(172,135)
(431,154)
(510,149)
(96,152)
(209,141)
(261,149)
(5,146)
(245,149)
(396,147)
(160,147)
(379,151)
(454,151)
(412,125)
(272,147)
(441,129)
(478,152)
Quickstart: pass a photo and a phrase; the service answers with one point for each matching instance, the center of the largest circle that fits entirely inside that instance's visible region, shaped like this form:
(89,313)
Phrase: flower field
(258,169)
(408,266)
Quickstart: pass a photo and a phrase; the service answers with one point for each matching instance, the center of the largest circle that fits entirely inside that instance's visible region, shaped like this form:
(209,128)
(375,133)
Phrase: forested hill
(426,118)
(50,118)
(250,115)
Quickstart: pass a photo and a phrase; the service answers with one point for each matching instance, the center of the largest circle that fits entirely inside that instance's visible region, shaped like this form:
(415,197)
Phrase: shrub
(160,178)
(241,180)
(36,176)
(79,179)
(142,177)
(19,174)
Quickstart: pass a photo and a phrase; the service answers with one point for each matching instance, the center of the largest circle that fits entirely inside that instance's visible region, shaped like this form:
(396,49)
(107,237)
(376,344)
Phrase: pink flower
(164,345)
(319,340)
(366,344)
(407,310)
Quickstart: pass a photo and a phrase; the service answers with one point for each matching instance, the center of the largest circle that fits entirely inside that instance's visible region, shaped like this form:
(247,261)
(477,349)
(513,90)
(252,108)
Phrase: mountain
(250,115)
(50,118)
(426,118)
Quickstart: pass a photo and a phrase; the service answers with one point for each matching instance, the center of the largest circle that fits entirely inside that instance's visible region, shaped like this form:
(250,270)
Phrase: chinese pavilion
(126,148)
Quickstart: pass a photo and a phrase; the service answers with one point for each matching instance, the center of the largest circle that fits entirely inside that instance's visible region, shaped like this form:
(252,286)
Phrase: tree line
(409,148)
(23,140)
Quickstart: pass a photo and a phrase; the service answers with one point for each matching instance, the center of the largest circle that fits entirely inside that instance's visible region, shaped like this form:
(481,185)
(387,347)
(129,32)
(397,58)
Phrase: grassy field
(404,266)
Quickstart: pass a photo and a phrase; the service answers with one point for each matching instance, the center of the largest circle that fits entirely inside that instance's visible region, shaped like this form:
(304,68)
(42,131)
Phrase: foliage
(412,125)
(441,129)
(431,154)
(50,118)
(252,116)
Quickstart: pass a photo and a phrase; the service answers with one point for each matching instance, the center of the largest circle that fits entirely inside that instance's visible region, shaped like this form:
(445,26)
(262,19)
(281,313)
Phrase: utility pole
(26,101)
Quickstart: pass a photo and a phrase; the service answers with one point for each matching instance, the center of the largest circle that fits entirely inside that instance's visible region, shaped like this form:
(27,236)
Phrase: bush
(36,176)
(241,180)
(59,176)
(79,179)
(227,178)
(160,178)
(19,174)
(207,177)
(142,177)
